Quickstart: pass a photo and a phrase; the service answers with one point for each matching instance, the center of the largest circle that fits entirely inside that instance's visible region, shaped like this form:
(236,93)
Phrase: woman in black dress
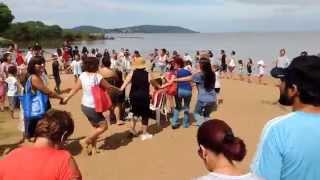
(139,96)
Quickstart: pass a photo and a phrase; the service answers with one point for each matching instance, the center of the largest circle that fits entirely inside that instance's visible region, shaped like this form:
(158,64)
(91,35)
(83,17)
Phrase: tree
(6,17)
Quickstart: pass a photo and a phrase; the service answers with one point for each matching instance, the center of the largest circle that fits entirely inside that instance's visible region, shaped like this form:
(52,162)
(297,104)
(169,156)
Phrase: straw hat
(139,63)
(204,54)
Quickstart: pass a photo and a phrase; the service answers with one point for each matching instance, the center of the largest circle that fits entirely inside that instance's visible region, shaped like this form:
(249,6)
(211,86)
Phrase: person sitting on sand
(220,150)
(289,145)
(45,159)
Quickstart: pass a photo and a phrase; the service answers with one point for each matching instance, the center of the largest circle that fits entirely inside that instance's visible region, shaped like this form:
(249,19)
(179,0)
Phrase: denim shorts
(94,117)
(13,102)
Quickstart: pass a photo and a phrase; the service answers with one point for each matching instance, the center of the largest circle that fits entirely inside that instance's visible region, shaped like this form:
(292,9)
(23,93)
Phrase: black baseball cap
(306,68)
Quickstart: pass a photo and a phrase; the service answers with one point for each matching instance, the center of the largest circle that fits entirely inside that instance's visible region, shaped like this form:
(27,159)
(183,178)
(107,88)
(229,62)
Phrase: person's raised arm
(74,90)
(127,81)
(38,84)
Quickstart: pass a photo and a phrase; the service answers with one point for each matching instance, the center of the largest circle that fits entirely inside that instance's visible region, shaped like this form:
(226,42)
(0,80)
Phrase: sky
(198,15)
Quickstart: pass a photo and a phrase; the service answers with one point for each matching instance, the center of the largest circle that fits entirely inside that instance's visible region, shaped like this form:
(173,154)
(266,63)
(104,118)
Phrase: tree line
(35,30)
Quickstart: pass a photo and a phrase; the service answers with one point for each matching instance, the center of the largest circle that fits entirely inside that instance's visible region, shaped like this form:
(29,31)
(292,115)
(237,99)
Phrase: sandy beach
(171,154)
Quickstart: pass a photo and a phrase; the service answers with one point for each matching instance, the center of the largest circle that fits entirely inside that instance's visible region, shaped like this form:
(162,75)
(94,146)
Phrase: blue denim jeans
(182,99)
(202,111)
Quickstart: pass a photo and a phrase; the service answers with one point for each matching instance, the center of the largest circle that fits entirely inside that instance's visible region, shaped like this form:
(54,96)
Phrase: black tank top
(140,84)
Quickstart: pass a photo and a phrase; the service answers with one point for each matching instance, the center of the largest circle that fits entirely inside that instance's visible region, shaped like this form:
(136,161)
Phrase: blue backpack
(34,104)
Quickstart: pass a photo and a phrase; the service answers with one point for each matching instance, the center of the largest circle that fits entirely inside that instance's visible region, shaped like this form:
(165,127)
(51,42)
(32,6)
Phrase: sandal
(86,146)
(95,150)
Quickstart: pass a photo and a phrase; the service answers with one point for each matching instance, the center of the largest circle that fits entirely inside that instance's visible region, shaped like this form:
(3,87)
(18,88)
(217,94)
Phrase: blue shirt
(204,96)
(184,85)
(289,148)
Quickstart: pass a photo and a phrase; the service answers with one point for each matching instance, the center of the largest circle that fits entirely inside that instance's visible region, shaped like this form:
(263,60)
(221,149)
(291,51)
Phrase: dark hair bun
(217,136)
(235,150)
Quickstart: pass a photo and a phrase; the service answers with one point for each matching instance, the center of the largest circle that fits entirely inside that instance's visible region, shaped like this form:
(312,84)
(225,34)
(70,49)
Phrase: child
(261,70)
(56,73)
(217,86)
(12,91)
(249,69)
(76,67)
(241,69)
(157,95)
(2,92)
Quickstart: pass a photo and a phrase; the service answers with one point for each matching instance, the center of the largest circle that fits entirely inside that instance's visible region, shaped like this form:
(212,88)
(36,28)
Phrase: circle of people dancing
(119,85)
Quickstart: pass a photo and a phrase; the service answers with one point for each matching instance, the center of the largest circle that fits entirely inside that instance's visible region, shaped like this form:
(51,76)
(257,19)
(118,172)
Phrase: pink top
(32,163)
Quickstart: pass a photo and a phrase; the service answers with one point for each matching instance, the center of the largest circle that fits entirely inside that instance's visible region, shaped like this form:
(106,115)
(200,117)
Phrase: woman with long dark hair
(205,81)
(219,149)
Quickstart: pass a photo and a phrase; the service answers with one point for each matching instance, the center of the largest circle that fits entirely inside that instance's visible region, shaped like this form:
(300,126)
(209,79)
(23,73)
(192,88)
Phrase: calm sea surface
(255,45)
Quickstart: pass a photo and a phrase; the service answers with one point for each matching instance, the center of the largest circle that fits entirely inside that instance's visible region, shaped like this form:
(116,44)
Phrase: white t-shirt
(187,58)
(216,176)
(12,86)
(28,56)
(283,62)
(218,83)
(88,80)
(232,62)
(162,60)
(261,67)
(76,67)
(126,64)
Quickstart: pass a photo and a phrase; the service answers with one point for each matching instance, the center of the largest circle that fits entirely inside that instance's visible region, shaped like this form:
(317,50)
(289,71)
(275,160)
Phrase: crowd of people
(285,151)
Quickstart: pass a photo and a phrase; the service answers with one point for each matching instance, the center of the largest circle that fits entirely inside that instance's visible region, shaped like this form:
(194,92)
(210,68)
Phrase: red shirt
(32,163)
(66,56)
(19,59)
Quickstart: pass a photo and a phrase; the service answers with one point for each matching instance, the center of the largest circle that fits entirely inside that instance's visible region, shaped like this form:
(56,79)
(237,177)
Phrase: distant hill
(135,29)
